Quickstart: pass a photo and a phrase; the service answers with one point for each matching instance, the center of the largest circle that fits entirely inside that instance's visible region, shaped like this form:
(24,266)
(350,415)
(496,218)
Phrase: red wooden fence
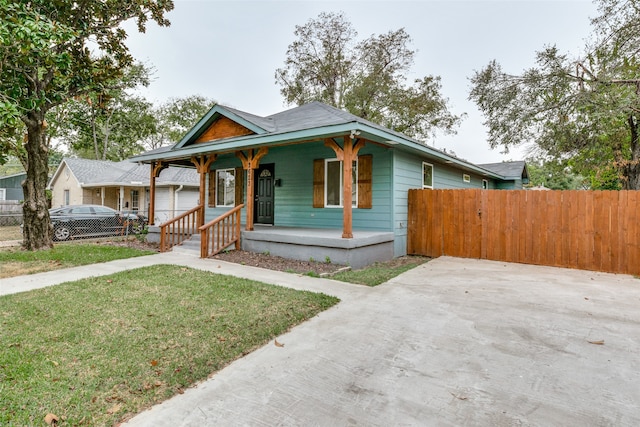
(590,230)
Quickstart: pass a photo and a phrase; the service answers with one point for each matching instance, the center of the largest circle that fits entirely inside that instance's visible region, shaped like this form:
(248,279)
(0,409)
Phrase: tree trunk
(632,168)
(37,225)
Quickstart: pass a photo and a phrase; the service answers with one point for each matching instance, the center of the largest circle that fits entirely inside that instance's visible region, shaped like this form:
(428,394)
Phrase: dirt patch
(267,261)
(278,263)
(294,266)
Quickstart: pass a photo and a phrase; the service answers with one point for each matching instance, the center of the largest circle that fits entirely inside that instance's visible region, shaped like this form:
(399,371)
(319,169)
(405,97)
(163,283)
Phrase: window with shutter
(328,180)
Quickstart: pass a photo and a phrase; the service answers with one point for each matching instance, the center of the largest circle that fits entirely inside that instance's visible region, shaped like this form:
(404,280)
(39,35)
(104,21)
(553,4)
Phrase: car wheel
(61,232)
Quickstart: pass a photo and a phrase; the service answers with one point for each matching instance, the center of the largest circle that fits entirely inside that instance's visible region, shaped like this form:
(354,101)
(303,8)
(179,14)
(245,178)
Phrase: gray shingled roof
(514,169)
(97,172)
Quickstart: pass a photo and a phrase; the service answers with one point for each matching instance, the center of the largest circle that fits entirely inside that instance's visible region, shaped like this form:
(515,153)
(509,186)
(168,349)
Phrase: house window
(3,194)
(485,184)
(427,175)
(65,198)
(333,182)
(225,187)
(135,200)
(466,177)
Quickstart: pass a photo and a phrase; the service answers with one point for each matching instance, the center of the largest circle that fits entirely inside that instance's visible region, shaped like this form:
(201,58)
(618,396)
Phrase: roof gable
(221,128)
(222,123)
(513,169)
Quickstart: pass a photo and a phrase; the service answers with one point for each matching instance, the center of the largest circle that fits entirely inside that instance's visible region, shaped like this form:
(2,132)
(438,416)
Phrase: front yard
(99,350)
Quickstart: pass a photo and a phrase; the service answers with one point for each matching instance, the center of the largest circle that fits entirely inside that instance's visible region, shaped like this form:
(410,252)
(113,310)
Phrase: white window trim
(485,184)
(354,190)
(233,202)
(466,177)
(432,175)
(3,194)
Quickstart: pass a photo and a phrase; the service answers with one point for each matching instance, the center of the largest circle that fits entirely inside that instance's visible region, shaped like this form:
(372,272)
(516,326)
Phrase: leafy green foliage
(107,125)
(553,174)
(175,117)
(581,110)
(52,52)
(367,78)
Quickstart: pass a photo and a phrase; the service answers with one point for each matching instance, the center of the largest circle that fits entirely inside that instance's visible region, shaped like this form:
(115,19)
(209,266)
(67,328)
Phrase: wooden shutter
(318,183)
(365,170)
(239,186)
(212,189)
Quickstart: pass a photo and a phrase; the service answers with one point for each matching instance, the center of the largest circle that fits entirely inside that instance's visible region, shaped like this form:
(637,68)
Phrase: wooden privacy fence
(590,230)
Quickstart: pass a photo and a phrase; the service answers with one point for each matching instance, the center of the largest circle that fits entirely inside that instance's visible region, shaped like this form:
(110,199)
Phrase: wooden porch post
(203,164)
(250,161)
(347,154)
(156,168)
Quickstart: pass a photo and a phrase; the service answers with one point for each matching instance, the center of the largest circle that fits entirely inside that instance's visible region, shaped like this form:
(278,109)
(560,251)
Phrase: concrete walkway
(453,342)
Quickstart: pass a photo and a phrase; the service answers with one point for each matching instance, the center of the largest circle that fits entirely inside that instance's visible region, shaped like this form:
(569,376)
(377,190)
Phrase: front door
(263,197)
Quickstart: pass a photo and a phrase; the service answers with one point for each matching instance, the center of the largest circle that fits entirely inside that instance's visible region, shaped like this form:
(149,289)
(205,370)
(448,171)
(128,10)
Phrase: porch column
(156,168)
(250,161)
(203,164)
(121,197)
(347,154)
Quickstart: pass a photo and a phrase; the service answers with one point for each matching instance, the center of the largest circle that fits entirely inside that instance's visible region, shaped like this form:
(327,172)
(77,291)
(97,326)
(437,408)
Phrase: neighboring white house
(124,186)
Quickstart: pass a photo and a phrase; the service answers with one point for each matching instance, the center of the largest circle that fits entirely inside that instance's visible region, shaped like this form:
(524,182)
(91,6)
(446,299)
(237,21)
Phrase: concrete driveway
(454,342)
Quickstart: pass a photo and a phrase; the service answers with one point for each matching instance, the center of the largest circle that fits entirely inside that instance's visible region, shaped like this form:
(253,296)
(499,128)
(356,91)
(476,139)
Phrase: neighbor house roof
(312,121)
(98,173)
(510,170)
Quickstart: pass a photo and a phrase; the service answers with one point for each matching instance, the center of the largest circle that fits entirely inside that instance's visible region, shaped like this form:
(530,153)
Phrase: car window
(103,210)
(81,210)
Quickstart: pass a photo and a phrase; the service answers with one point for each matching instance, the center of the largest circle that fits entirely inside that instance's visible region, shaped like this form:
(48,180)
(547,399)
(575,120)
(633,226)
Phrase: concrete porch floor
(366,247)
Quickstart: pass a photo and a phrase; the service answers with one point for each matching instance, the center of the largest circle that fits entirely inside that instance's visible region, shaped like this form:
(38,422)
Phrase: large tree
(583,110)
(111,124)
(50,52)
(366,78)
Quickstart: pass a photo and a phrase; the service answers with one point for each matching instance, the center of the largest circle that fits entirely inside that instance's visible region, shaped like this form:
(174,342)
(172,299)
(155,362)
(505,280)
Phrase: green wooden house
(309,182)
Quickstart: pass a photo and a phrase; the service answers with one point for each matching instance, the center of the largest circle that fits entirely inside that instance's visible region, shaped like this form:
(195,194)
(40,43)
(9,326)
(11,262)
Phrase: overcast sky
(229,50)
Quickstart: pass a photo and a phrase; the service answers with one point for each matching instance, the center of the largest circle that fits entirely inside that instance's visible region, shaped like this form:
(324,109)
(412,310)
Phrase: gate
(589,230)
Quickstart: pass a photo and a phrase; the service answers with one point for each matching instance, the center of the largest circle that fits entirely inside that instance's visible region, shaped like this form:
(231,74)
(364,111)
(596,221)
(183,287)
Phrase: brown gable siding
(223,128)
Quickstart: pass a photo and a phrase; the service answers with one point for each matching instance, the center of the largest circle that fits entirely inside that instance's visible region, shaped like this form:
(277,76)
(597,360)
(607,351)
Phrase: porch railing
(220,233)
(180,228)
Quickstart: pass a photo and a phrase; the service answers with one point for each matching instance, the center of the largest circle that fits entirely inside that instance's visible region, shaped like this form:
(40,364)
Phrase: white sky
(229,50)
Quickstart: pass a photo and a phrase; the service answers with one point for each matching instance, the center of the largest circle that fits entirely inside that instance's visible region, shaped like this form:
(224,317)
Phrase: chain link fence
(78,222)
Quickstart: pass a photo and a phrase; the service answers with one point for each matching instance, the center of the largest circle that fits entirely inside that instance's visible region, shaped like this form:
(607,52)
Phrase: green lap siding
(293,202)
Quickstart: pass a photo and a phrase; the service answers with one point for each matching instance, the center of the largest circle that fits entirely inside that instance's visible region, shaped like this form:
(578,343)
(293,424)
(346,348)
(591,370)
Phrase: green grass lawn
(17,262)
(379,272)
(99,350)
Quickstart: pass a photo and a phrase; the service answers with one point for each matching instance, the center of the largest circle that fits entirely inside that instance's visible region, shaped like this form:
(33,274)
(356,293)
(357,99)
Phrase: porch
(300,243)
(364,248)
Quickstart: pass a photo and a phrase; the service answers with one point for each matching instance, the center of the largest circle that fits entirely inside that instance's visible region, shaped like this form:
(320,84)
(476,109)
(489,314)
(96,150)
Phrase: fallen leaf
(154,363)
(586,299)
(278,344)
(51,419)
(109,281)
(114,408)
(158,383)
(599,342)
(459,397)
(184,269)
